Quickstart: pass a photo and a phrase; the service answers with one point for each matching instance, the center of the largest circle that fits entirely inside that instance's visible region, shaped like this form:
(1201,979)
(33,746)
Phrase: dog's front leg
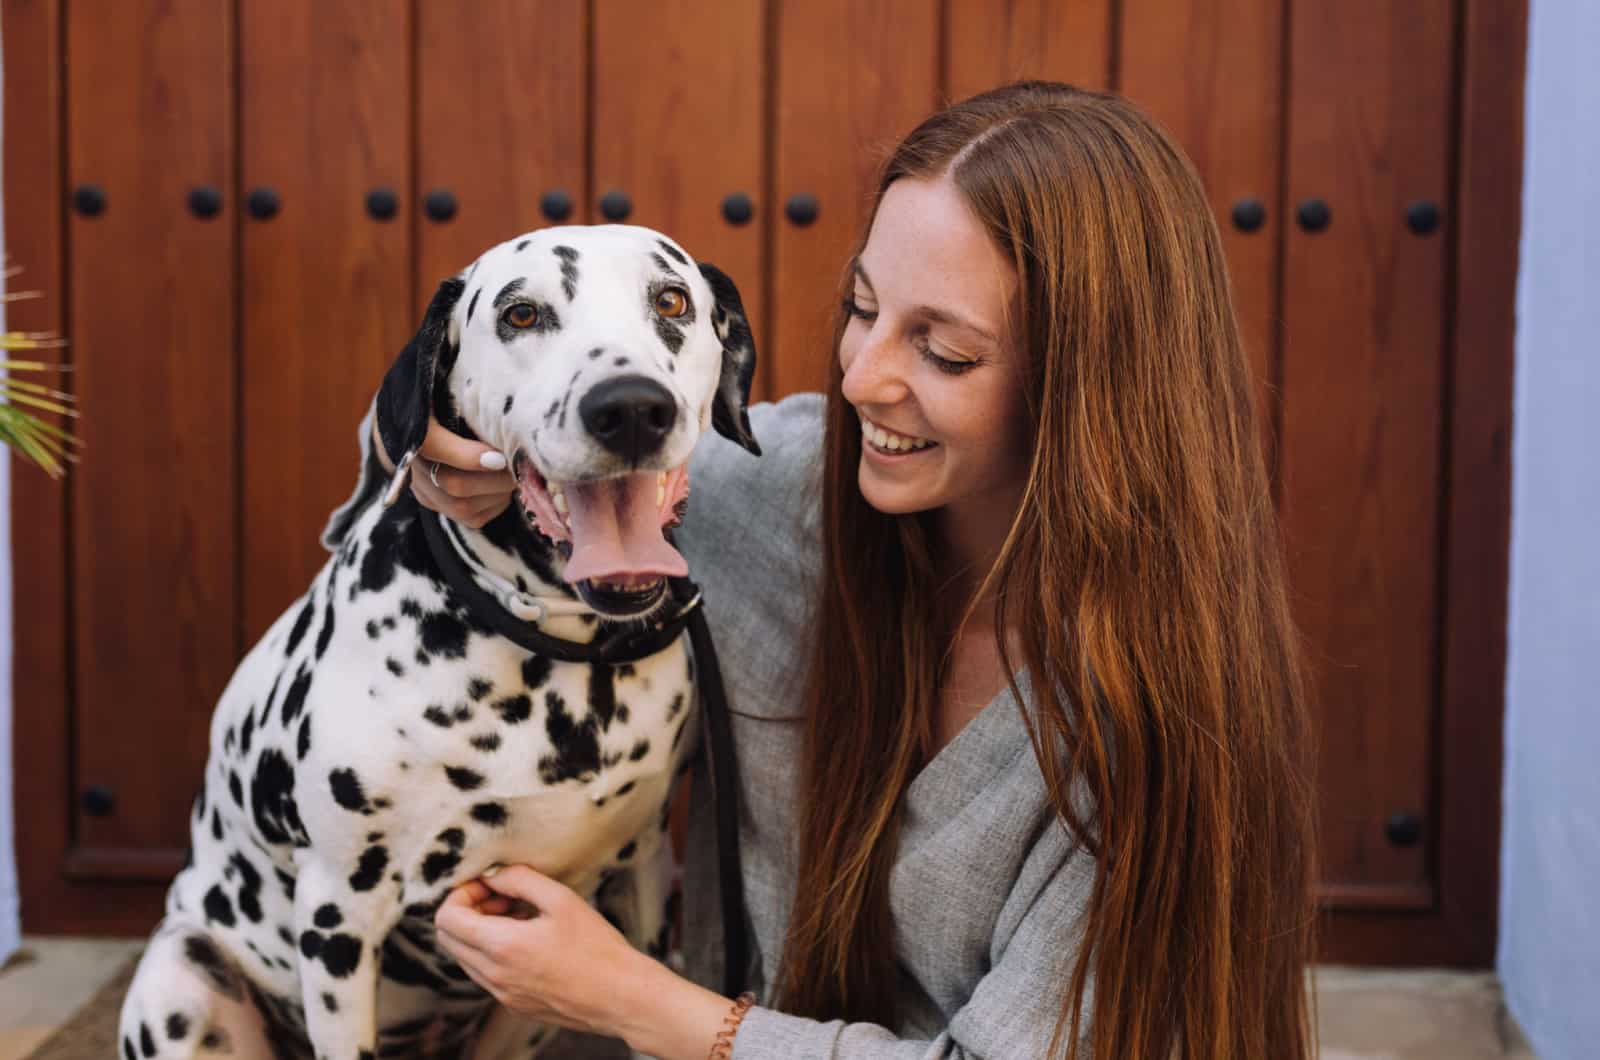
(634,897)
(340,933)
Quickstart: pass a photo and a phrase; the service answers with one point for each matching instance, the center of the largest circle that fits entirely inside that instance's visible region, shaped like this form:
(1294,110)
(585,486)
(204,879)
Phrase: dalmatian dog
(383,743)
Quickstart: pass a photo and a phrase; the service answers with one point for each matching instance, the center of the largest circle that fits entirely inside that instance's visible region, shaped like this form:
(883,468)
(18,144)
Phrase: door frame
(62,892)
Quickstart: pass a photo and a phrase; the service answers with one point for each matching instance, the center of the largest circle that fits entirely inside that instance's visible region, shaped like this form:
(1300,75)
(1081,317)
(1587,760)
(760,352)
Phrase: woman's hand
(563,965)
(473,485)
(566,965)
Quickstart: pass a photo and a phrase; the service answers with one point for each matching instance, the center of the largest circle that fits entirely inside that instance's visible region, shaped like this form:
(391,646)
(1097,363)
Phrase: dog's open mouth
(619,558)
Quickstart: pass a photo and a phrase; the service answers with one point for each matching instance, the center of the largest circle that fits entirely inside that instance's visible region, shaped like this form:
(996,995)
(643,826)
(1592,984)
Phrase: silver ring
(433,474)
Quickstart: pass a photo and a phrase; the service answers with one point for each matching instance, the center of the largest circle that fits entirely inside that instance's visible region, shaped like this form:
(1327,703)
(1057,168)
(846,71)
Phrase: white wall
(1549,952)
(9,929)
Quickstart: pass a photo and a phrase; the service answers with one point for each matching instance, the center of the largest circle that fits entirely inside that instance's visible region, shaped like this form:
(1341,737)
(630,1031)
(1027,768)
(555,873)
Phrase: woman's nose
(874,374)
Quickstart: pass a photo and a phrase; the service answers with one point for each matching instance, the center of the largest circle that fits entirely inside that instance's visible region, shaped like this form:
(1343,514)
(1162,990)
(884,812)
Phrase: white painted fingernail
(493,461)
(490,871)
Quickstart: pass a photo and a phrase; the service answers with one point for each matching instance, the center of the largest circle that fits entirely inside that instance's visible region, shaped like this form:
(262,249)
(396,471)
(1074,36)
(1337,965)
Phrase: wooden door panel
(677,119)
(1211,72)
(151,322)
(502,120)
(852,79)
(326,119)
(989,44)
(1361,463)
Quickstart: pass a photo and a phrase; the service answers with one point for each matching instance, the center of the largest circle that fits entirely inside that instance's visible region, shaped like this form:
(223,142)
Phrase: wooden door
(224,347)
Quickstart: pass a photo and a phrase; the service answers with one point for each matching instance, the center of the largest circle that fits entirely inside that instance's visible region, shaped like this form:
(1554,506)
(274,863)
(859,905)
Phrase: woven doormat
(91,1032)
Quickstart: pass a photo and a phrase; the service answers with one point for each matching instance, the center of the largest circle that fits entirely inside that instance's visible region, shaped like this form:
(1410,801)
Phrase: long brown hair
(1143,580)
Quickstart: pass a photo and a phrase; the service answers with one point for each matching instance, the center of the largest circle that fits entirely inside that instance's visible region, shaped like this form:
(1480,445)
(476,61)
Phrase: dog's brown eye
(672,302)
(521,315)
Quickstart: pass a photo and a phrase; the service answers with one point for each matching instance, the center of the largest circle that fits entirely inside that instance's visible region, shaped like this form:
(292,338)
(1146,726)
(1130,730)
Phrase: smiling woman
(1019,709)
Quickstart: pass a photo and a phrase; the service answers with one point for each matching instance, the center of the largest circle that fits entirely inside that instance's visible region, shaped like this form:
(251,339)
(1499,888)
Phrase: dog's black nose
(629,415)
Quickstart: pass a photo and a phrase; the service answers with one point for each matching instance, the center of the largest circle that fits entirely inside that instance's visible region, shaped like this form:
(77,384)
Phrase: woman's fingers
(453,450)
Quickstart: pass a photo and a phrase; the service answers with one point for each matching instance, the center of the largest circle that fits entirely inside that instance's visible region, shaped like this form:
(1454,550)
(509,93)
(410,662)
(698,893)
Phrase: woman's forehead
(926,246)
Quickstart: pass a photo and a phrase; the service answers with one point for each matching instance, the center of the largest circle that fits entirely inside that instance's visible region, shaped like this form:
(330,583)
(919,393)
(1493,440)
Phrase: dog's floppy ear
(729,409)
(405,400)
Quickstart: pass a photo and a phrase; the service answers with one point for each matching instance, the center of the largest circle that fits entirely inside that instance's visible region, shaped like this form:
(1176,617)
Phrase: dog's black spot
(472,306)
(272,801)
(661,263)
(620,362)
(302,625)
(535,671)
(437,715)
(489,813)
(235,789)
(626,670)
(640,749)
(565,253)
(677,734)
(672,252)
(327,629)
(626,852)
(216,824)
(373,837)
(201,952)
(327,916)
(439,864)
(422,658)
(394,666)
(623,714)
(569,271)
(272,694)
(369,871)
(550,413)
(594,354)
(486,741)
(340,954)
(128,1051)
(602,693)
(227,739)
(444,634)
(295,699)
(478,688)
(218,908)
(147,1042)
(675,706)
(303,743)
(247,731)
(463,778)
(285,881)
(215,1040)
(410,608)
(577,744)
(625,789)
(177,1026)
(330,1003)
(249,887)
(513,709)
(506,408)
(670,334)
(347,791)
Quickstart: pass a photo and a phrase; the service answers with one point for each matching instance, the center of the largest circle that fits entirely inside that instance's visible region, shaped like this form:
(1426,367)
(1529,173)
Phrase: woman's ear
(730,408)
(405,400)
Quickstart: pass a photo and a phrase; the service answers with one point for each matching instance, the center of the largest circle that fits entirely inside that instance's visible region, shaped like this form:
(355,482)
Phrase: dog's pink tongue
(616,530)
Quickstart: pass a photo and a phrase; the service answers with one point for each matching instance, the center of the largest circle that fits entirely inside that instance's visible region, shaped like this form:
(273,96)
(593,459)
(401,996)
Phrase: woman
(1019,719)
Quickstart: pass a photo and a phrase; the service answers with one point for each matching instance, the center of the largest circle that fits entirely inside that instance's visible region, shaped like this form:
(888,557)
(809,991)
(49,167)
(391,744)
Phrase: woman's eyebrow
(938,316)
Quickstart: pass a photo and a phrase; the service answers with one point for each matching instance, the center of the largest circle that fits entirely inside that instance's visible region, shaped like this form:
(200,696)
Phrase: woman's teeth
(888,440)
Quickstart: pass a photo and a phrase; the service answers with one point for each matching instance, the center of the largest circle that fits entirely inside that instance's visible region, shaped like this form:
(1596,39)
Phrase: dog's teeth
(559,499)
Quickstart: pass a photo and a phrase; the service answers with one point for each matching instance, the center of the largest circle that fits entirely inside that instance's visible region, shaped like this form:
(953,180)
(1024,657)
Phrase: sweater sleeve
(1011,1012)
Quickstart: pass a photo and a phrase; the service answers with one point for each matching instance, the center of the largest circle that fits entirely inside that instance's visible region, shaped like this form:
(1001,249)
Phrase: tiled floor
(1363,1014)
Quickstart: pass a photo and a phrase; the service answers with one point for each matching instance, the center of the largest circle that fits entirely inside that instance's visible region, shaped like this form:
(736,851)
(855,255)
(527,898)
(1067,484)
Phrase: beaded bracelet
(722,1048)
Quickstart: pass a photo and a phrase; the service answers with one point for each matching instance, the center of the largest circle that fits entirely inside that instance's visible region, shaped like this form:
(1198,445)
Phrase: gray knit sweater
(988,892)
